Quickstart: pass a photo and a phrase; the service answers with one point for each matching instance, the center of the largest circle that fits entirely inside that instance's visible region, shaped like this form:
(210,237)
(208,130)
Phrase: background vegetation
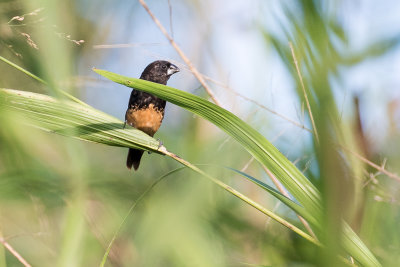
(318,80)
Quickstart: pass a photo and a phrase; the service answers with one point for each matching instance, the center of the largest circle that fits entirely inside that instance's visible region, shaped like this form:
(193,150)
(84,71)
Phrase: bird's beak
(172,69)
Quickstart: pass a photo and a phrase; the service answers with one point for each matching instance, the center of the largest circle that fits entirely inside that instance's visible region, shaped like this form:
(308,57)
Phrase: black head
(159,71)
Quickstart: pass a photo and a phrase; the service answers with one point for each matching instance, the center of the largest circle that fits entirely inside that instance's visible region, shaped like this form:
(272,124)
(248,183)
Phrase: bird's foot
(160,143)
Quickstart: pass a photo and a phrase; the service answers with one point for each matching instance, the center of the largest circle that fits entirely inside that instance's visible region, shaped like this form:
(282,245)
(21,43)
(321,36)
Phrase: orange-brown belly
(147,120)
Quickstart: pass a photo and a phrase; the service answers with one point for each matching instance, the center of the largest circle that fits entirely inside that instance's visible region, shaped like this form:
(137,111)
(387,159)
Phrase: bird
(146,111)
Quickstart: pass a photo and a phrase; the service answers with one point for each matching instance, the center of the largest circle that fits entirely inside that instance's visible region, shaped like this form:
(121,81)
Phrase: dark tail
(133,159)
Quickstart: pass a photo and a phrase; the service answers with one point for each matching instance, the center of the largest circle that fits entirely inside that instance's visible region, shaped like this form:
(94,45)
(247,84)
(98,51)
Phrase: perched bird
(146,111)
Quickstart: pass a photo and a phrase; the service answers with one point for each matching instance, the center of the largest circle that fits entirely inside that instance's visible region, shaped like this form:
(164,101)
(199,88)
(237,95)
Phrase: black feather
(133,159)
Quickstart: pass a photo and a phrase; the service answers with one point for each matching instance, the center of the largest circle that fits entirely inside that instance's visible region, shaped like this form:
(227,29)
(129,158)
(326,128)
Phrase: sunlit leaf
(86,123)
(257,145)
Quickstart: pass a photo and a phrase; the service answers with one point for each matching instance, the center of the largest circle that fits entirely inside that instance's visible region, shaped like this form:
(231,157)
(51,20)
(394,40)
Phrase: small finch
(146,111)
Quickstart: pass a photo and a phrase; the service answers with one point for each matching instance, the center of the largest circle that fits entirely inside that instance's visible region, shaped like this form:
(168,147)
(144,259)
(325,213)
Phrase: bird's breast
(147,119)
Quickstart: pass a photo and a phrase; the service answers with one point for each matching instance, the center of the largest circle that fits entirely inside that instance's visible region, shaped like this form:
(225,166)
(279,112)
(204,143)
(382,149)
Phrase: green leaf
(73,119)
(258,146)
(288,202)
(351,241)
(86,123)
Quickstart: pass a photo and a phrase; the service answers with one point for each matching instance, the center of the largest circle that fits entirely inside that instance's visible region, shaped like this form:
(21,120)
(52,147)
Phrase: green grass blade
(351,242)
(12,64)
(257,145)
(246,199)
(30,74)
(73,119)
(86,123)
(133,206)
(356,248)
(288,202)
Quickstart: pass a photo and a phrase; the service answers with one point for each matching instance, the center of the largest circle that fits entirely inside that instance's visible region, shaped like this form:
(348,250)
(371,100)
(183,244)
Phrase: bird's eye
(164,67)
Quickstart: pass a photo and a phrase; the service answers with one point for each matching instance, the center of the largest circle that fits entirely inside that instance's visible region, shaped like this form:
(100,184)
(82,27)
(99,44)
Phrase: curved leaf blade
(86,123)
(255,143)
(258,146)
(72,119)
(288,202)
